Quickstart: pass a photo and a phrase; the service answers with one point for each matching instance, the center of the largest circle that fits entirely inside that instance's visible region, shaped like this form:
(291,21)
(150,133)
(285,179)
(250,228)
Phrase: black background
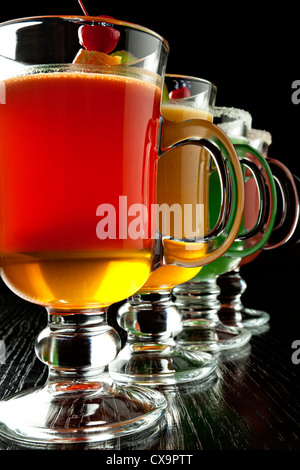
(251,52)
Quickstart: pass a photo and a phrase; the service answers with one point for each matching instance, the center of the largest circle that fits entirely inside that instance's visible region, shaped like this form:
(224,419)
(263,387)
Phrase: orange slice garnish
(95,58)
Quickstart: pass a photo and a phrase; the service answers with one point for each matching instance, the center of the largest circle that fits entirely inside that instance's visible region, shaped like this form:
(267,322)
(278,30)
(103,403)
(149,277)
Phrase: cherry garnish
(98,37)
(179,93)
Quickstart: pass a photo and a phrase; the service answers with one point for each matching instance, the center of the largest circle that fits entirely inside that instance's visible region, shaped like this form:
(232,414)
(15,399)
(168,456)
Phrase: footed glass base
(208,335)
(160,364)
(202,329)
(73,412)
(151,356)
(232,311)
(251,318)
(79,404)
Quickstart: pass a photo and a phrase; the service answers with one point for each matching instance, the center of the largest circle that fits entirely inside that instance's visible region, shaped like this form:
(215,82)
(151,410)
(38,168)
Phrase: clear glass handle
(287,219)
(214,243)
(250,242)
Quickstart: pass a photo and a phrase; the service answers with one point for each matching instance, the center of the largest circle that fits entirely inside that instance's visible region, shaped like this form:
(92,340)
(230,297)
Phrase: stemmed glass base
(246,317)
(79,403)
(151,356)
(232,311)
(202,328)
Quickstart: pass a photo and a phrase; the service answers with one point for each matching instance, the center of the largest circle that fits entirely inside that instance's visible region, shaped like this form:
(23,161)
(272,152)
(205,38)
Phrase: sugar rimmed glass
(231,284)
(198,299)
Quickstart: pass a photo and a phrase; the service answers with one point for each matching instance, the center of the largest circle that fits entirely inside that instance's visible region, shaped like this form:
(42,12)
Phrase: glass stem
(232,286)
(77,346)
(150,317)
(198,299)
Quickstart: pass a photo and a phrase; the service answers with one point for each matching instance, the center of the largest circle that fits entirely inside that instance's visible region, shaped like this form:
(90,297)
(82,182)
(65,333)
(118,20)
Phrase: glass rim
(260,134)
(232,112)
(90,19)
(191,77)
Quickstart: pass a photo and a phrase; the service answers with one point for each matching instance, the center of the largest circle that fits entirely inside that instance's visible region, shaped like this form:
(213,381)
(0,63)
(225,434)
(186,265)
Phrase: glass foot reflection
(202,328)
(151,355)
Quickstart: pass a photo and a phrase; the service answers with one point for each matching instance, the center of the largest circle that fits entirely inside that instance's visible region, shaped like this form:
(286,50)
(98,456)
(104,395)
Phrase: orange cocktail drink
(183,177)
(79,131)
(69,143)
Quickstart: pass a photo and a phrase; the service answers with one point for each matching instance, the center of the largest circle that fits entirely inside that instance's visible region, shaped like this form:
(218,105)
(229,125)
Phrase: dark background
(250,52)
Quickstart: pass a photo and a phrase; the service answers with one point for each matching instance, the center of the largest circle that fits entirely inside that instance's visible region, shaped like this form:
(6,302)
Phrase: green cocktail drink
(198,298)
(225,263)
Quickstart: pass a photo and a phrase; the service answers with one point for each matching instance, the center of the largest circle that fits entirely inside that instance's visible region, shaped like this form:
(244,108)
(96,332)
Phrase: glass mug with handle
(198,299)
(79,130)
(231,284)
(150,317)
